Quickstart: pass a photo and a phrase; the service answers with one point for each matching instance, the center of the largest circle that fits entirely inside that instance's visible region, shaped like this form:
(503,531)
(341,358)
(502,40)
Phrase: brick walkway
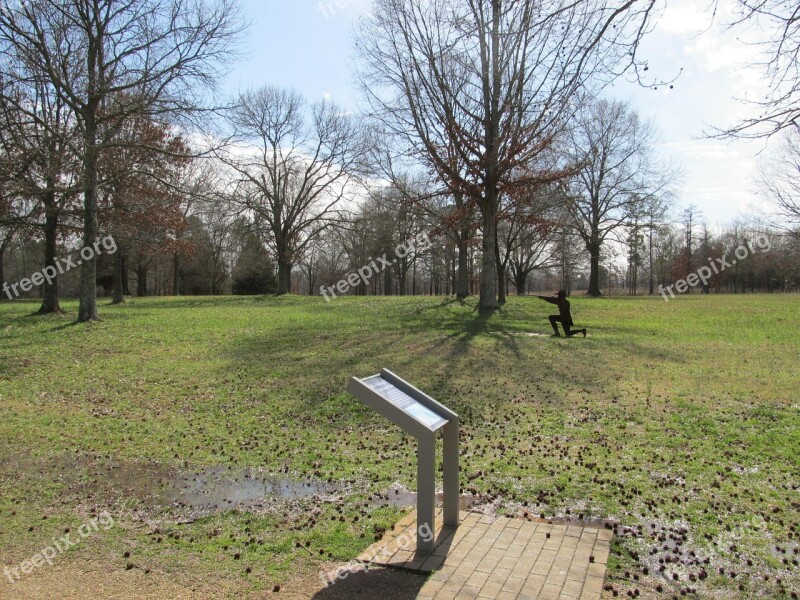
(489,557)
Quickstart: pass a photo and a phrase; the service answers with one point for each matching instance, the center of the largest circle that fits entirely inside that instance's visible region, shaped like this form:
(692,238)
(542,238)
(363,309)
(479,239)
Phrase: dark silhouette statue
(564,317)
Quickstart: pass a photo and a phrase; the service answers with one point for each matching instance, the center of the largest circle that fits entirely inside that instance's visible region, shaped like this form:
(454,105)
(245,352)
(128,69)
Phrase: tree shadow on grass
(482,325)
(406,338)
(446,347)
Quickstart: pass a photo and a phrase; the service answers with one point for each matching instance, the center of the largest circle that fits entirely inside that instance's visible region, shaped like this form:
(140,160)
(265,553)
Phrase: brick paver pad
(501,558)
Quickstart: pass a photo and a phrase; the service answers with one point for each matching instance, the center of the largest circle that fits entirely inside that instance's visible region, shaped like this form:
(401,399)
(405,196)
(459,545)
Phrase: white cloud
(703,149)
(683,18)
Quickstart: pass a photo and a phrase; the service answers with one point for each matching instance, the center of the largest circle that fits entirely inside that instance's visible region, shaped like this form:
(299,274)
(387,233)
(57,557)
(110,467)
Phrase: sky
(308,45)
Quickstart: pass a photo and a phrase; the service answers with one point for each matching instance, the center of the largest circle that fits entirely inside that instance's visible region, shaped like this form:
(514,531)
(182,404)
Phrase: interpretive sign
(421,416)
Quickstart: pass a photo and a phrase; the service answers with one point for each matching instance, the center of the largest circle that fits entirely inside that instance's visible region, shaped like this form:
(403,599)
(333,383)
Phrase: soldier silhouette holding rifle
(564,317)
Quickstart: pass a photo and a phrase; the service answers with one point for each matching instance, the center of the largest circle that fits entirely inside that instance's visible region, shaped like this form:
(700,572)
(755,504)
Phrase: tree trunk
(312,279)
(126,290)
(402,276)
(141,281)
(652,278)
(387,282)
(488,295)
(176,274)
(520,279)
(3,247)
(284,276)
(119,274)
(594,274)
(462,279)
(501,276)
(87,310)
(50,302)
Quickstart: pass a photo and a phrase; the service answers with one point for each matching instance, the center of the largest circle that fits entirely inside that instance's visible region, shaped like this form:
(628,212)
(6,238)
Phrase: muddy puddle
(187,494)
(156,491)
(400,497)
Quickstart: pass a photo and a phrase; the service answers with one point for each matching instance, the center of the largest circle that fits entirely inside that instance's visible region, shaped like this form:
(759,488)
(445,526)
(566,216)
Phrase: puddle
(526,334)
(217,489)
(400,497)
(188,493)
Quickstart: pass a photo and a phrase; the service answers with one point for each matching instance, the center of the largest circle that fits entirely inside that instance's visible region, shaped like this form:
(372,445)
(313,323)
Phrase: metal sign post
(421,416)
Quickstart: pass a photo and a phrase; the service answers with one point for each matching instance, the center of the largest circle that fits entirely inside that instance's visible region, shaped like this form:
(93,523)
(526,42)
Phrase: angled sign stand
(420,415)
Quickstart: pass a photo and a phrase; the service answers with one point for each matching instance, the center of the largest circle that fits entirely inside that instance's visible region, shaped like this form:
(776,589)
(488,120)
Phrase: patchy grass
(680,421)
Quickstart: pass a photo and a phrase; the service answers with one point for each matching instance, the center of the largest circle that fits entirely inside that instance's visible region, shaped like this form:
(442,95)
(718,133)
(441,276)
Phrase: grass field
(680,421)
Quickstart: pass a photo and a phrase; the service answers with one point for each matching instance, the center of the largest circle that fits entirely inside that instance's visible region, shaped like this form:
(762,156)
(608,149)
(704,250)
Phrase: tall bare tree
(494,79)
(618,173)
(293,165)
(109,60)
(43,139)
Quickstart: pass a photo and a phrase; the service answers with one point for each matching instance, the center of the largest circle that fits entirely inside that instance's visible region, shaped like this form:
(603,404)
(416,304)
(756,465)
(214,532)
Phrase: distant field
(679,420)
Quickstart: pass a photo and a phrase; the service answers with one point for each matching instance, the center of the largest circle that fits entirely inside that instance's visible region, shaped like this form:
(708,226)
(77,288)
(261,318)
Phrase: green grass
(684,415)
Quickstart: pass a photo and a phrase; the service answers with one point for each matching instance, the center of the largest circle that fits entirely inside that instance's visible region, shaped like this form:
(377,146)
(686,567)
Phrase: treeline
(485,133)
(215,252)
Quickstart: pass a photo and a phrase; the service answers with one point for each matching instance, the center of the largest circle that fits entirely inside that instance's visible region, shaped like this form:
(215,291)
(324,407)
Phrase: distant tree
(449,211)
(690,216)
(527,225)
(617,172)
(7,233)
(142,200)
(533,244)
(211,243)
(330,257)
(196,267)
(9,221)
(293,166)
(635,246)
(253,273)
(654,212)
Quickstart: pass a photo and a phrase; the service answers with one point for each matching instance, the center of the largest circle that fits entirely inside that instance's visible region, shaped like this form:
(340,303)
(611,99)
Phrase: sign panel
(397,397)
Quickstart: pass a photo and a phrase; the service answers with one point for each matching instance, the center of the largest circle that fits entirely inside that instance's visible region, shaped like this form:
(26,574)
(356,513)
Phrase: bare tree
(451,210)
(42,139)
(217,212)
(109,60)
(780,179)
(527,232)
(654,213)
(613,145)
(293,166)
(494,79)
(690,216)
